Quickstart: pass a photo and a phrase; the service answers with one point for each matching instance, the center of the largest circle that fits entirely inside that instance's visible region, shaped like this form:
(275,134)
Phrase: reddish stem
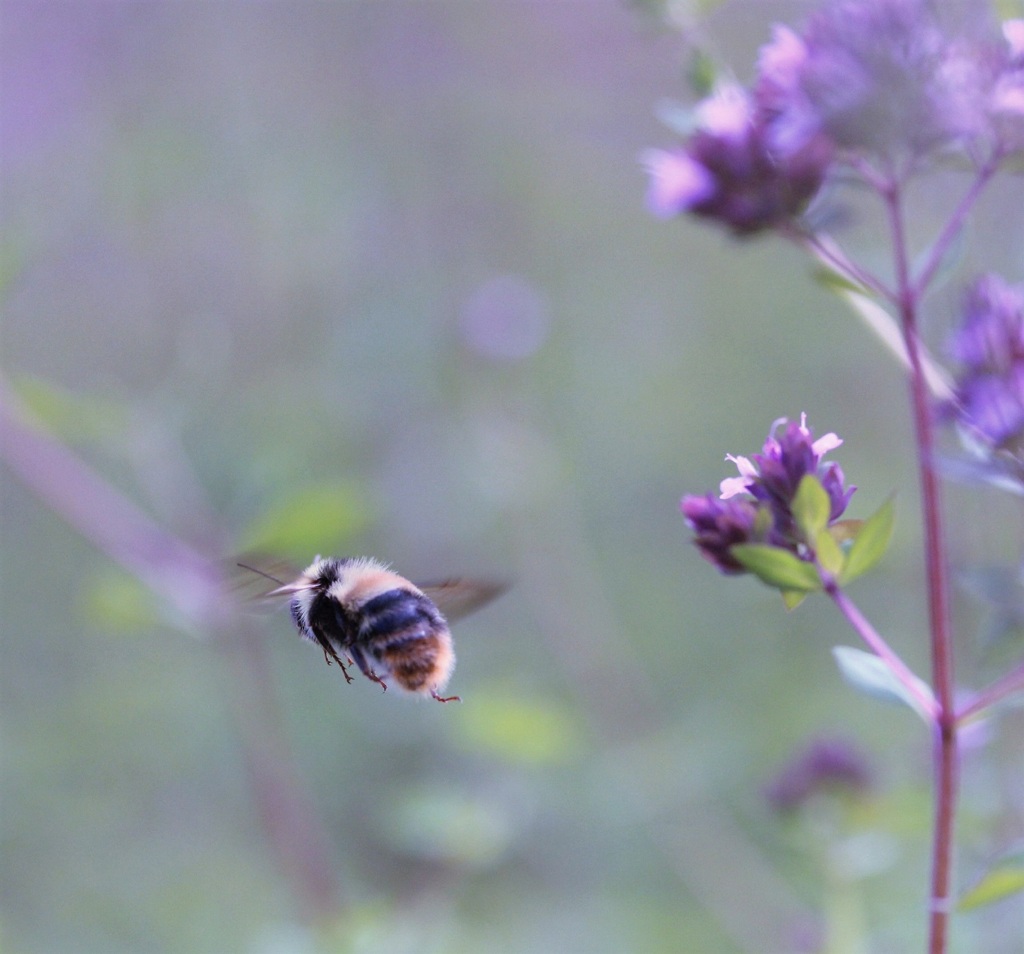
(938,591)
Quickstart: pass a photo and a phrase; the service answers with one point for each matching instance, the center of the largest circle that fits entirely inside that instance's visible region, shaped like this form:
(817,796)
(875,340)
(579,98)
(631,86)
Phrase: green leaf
(793,598)
(829,554)
(702,72)
(322,514)
(811,508)
(870,674)
(826,276)
(1004,878)
(871,542)
(777,567)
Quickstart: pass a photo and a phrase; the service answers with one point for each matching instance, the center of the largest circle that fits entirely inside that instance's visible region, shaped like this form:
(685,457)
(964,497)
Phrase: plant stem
(954,225)
(945,754)
(883,650)
(1007,685)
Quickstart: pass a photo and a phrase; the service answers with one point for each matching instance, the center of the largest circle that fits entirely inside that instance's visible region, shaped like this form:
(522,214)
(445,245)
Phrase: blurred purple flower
(1006,103)
(824,765)
(890,77)
(989,401)
(728,172)
(677,182)
(505,319)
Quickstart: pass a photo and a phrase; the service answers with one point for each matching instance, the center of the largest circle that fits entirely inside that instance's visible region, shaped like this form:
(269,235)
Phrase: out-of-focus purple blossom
(1006,102)
(772,477)
(728,171)
(890,77)
(870,78)
(677,182)
(824,765)
(894,79)
(989,401)
(756,506)
(505,319)
(718,525)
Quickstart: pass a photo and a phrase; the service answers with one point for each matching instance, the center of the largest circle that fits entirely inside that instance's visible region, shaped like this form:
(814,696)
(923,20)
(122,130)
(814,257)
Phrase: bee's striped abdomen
(404,632)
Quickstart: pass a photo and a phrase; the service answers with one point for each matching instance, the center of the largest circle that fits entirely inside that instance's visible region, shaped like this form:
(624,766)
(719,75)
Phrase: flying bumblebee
(358,611)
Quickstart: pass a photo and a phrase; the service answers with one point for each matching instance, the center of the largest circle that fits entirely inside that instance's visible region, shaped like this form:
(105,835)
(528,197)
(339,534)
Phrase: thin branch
(954,226)
(882,649)
(993,694)
(178,573)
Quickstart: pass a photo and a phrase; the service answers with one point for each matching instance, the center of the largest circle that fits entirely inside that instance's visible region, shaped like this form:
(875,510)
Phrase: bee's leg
(330,654)
(365,668)
(434,695)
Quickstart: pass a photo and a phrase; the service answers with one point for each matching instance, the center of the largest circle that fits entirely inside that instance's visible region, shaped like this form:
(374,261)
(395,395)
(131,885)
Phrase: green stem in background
(937,582)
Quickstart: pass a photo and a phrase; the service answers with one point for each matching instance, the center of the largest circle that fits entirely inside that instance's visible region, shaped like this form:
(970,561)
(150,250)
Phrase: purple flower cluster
(989,345)
(867,79)
(756,506)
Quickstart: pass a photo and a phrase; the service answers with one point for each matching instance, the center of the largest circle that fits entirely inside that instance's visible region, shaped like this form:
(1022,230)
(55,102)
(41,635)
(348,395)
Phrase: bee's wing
(458,597)
(256,581)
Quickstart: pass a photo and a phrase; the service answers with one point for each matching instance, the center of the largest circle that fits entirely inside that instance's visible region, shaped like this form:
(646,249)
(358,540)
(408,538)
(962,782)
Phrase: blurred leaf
(115,600)
(811,508)
(75,418)
(317,516)
(870,674)
(518,729)
(777,567)
(829,554)
(441,823)
(1003,879)
(702,72)
(793,598)
(833,280)
(871,542)
(1003,473)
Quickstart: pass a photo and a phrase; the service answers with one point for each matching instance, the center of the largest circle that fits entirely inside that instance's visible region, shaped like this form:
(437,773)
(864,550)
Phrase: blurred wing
(253,578)
(458,597)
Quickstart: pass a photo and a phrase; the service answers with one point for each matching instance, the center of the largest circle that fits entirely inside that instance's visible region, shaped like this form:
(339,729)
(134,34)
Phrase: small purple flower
(755,507)
(774,475)
(719,525)
(989,400)
(823,765)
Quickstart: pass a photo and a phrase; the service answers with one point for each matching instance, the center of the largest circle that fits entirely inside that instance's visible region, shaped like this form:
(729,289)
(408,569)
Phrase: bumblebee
(358,611)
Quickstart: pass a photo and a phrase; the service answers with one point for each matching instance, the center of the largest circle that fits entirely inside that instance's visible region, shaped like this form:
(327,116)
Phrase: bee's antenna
(273,579)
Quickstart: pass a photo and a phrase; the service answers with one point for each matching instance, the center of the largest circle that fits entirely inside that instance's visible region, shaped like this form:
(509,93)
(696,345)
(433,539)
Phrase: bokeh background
(377,277)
